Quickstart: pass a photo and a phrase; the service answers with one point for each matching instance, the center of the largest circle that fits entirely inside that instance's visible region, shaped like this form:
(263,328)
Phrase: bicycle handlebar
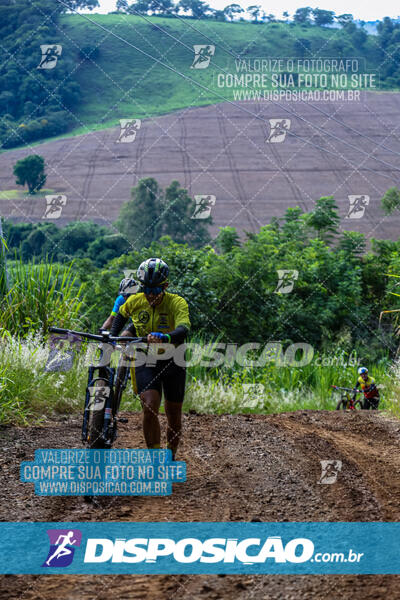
(336,387)
(105,337)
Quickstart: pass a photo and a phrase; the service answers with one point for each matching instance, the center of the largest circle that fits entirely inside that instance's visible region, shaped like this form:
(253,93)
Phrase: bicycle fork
(107,409)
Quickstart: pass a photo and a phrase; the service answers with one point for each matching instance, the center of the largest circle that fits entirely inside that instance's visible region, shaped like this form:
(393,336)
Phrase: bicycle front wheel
(121,379)
(96,415)
(342,405)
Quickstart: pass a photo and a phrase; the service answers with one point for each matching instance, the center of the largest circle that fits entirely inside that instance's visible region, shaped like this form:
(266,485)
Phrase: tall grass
(28,394)
(41,294)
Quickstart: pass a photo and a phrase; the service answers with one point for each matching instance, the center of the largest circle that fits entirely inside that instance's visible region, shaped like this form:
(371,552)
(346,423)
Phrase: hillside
(221,150)
(118,81)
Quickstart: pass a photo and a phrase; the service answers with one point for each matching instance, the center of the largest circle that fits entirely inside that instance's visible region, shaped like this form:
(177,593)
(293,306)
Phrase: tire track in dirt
(242,195)
(343,180)
(137,167)
(185,156)
(297,194)
(83,204)
(283,169)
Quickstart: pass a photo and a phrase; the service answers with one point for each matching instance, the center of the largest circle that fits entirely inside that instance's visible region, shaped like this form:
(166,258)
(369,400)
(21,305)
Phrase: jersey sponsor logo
(163,322)
(143,317)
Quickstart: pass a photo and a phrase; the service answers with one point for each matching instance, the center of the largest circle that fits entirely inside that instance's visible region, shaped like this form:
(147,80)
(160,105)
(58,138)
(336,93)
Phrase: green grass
(40,294)
(30,395)
(123,83)
(20,194)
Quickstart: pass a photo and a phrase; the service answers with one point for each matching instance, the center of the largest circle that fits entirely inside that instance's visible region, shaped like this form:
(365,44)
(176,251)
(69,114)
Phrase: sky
(366,11)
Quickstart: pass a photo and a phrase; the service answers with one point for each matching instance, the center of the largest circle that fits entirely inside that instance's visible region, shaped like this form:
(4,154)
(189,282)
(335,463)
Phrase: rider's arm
(107,323)
(120,300)
(118,324)
(178,335)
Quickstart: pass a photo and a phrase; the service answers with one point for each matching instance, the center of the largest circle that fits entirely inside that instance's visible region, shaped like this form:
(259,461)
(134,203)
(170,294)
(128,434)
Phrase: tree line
(198,9)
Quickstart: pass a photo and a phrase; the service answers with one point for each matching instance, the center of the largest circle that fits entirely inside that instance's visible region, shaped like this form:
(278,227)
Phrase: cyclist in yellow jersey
(368,386)
(162,318)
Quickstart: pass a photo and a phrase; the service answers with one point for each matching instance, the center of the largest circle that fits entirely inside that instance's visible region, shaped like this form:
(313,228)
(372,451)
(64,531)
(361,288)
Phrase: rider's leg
(151,400)
(173,411)
(374,403)
(174,391)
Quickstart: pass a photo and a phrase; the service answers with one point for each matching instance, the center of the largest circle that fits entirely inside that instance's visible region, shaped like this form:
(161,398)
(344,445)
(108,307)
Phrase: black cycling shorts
(164,376)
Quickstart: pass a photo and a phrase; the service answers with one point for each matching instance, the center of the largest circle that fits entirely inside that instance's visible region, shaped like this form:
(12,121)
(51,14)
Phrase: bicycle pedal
(122,420)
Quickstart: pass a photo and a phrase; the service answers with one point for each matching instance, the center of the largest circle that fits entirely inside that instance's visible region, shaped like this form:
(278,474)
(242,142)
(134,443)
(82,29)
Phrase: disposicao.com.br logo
(247,551)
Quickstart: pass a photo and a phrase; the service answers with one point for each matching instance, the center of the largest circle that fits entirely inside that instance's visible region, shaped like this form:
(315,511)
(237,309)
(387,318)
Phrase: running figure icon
(62,549)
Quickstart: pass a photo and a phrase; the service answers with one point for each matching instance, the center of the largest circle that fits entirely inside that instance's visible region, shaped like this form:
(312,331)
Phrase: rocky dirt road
(239,468)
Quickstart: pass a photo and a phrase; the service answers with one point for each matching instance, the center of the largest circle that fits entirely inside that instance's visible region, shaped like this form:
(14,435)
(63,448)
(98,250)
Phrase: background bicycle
(348,398)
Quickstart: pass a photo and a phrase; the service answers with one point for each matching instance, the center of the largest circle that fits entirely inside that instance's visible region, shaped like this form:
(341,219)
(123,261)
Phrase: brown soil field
(222,150)
(239,468)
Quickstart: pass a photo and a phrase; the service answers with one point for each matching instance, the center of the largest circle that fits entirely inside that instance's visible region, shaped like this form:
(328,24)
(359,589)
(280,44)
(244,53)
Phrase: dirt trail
(240,467)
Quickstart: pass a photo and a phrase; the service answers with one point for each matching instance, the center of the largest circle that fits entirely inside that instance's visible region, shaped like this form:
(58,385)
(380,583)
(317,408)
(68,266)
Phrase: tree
(139,218)
(323,17)
(122,6)
(227,239)
(324,219)
(30,171)
(79,4)
(233,9)
(302,47)
(255,11)
(140,6)
(78,235)
(391,200)
(152,213)
(196,7)
(218,15)
(302,15)
(285,14)
(352,243)
(344,19)
(176,218)
(359,37)
(161,7)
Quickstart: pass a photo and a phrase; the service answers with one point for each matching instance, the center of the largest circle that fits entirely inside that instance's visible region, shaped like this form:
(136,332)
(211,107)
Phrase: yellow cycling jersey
(172,311)
(366,383)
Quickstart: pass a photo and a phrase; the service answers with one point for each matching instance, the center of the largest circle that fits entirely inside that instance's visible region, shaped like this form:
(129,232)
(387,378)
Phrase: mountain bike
(347,401)
(104,389)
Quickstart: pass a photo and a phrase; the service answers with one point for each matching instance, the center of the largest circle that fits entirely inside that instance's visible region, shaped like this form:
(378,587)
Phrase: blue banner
(197,548)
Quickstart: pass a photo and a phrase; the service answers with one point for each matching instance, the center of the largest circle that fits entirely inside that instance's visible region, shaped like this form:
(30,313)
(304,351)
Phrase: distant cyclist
(162,317)
(127,287)
(367,385)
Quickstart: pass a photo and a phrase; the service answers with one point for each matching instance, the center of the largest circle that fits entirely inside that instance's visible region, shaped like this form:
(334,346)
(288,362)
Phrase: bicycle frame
(350,400)
(106,374)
